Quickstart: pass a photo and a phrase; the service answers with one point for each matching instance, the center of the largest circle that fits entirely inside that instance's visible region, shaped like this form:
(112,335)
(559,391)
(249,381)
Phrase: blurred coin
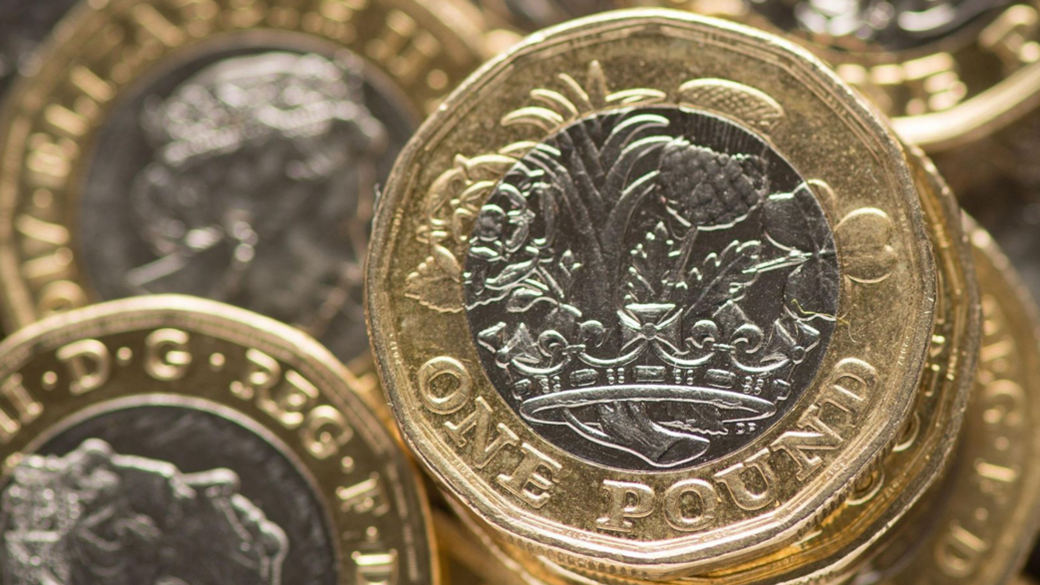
(226,151)
(168,439)
(981,532)
(998,182)
(24,24)
(532,15)
(635,287)
(947,71)
(1004,165)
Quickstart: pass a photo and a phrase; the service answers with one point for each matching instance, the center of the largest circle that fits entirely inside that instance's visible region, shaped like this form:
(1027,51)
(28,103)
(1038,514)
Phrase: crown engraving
(655,280)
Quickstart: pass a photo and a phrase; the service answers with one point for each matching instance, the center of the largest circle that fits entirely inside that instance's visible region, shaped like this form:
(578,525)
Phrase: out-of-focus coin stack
(519,292)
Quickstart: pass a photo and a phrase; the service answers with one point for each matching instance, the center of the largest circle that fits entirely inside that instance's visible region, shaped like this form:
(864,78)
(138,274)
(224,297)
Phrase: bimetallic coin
(837,546)
(983,528)
(947,71)
(168,439)
(229,152)
(627,307)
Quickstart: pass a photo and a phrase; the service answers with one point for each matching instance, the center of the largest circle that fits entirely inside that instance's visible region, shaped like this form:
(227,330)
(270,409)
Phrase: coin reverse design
(650,288)
(650,292)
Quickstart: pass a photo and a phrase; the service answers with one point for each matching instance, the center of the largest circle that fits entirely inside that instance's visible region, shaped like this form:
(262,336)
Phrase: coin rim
(539,534)
(20,345)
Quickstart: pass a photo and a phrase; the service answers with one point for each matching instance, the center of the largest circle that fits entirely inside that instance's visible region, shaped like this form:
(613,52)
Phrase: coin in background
(229,152)
(947,72)
(998,183)
(532,15)
(632,301)
(24,24)
(170,439)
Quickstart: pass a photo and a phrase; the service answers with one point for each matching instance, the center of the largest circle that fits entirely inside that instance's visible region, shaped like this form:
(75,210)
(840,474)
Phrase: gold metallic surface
(836,548)
(621,59)
(472,558)
(51,121)
(270,379)
(980,530)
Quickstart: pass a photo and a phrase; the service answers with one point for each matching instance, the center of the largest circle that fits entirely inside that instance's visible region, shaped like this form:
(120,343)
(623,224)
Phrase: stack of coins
(385,291)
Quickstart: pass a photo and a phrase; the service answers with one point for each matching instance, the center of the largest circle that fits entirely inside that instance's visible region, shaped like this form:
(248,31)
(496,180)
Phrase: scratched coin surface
(229,152)
(948,72)
(701,233)
(627,308)
(168,439)
(982,528)
(841,543)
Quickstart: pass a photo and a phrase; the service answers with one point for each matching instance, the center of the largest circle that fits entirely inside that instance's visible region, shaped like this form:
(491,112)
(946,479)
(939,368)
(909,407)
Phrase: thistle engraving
(455,197)
(651,287)
(95,516)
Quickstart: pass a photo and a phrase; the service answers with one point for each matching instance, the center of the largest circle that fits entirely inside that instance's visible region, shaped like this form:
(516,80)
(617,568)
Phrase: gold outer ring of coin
(835,549)
(50,124)
(981,529)
(539,495)
(260,375)
(946,94)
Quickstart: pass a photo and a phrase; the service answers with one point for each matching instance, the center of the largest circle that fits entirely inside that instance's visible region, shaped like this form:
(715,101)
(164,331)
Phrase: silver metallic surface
(879,24)
(652,288)
(246,176)
(162,494)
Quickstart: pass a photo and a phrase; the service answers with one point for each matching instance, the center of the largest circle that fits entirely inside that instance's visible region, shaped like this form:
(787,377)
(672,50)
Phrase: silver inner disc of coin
(246,175)
(166,495)
(652,288)
(881,25)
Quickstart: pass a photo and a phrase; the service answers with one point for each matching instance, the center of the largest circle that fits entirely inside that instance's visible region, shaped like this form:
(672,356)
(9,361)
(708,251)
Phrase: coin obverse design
(251,183)
(631,315)
(170,440)
(227,152)
(665,305)
(80,517)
